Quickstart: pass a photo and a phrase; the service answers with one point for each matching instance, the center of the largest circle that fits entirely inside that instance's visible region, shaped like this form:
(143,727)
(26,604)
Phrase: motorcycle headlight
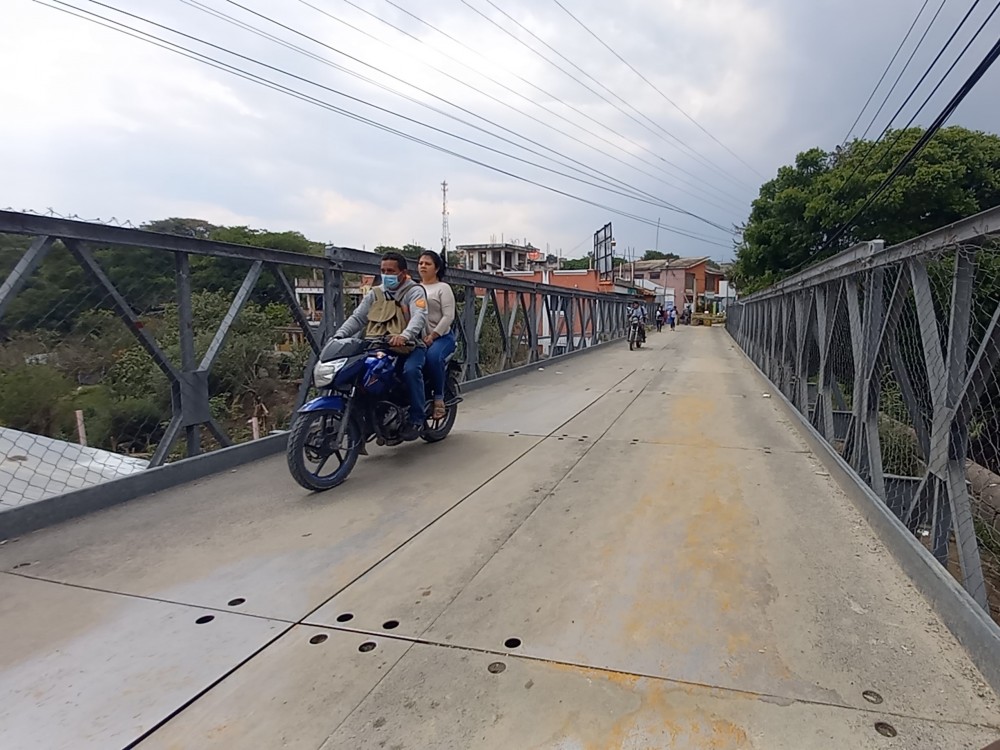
(323,372)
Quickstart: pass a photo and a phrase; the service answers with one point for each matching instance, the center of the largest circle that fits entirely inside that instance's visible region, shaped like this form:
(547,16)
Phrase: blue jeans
(437,353)
(413,376)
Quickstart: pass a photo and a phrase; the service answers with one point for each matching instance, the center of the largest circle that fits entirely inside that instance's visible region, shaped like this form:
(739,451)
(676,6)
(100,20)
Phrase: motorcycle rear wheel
(437,430)
(311,439)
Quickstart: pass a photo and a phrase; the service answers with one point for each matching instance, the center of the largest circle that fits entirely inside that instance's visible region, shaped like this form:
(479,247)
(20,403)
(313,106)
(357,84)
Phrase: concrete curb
(23,520)
(968,622)
(59,508)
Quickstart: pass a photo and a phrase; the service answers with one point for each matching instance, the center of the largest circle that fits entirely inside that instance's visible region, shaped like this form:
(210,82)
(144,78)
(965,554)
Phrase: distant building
(585,280)
(685,281)
(727,295)
(503,257)
(309,293)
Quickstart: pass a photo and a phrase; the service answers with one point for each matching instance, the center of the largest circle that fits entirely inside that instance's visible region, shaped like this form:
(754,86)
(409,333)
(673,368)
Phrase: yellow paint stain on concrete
(706,590)
(650,715)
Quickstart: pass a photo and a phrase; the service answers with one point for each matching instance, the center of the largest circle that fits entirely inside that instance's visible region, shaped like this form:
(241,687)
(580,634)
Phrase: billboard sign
(604,252)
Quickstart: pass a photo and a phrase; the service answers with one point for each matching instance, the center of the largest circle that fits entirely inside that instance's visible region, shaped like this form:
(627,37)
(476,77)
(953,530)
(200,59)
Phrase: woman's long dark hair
(438,261)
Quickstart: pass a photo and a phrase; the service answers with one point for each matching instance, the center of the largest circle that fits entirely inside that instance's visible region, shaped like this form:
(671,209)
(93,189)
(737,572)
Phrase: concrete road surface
(623,550)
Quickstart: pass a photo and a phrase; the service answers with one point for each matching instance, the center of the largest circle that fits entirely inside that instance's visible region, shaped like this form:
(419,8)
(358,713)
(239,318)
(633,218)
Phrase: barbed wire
(52,213)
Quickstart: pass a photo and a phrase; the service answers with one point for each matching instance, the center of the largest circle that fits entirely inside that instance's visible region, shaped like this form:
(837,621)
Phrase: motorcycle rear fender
(330,402)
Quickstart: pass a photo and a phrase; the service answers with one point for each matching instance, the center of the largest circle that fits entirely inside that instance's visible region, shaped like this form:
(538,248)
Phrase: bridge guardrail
(122,349)
(891,353)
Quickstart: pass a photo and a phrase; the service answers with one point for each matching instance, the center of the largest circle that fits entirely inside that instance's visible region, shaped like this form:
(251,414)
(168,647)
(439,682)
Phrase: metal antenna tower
(445,231)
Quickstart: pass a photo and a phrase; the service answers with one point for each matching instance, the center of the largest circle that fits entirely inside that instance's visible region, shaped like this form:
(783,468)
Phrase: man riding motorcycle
(397,309)
(638,313)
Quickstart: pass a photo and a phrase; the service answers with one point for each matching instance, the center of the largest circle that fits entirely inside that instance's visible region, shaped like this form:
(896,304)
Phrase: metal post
(469,331)
(959,507)
(185,318)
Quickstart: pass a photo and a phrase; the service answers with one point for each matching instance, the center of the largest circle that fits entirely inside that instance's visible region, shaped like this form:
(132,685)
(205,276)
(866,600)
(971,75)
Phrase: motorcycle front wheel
(312,459)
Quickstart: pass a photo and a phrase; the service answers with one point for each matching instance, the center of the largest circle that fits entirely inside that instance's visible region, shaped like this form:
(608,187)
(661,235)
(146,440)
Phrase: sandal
(439,410)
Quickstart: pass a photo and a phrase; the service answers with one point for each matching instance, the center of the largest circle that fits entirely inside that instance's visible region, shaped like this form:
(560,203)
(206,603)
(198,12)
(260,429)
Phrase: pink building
(691,279)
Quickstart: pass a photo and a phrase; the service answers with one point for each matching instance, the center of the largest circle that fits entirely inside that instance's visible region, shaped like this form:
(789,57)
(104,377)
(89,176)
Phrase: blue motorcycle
(362,398)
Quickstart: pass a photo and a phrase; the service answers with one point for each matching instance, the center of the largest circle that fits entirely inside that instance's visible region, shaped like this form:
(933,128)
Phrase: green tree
(185,227)
(657,255)
(956,175)
(35,398)
(577,264)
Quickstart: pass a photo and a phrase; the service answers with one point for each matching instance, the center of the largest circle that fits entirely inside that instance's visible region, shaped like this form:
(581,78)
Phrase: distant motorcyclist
(397,310)
(637,312)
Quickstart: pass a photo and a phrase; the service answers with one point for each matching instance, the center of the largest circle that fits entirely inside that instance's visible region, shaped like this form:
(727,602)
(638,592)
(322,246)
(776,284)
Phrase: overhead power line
(872,148)
(531,84)
(147,37)
(901,72)
(629,191)
(393,112)
(887,150)
(924,139)
(657,89)
(885,72)
(591,90)
(706,197)
(675,142)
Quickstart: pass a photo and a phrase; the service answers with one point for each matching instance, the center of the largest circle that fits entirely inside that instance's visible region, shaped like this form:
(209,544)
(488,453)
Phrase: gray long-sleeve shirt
(410,294)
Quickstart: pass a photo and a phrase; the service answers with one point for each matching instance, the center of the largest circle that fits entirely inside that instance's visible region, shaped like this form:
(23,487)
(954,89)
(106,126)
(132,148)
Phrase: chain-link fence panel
(119,356)
(899,351)
(124,348)
(81,401)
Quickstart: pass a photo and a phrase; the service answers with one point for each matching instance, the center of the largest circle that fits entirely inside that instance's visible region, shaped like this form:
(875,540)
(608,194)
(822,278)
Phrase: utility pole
(657,233)
(445,231)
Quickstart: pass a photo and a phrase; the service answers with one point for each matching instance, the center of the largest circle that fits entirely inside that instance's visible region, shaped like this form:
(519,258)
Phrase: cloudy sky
(99,124)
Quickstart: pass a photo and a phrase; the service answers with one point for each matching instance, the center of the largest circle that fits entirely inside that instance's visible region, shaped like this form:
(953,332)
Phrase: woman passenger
(440,315)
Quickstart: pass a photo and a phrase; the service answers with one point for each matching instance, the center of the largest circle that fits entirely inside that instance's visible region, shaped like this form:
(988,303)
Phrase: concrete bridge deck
(623,550)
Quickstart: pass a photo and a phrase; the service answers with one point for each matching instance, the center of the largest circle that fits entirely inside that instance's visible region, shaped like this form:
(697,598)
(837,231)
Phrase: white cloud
(100,124)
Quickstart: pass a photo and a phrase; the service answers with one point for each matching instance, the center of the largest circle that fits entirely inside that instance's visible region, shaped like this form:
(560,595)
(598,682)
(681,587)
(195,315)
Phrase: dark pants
(437,353)
(413,376)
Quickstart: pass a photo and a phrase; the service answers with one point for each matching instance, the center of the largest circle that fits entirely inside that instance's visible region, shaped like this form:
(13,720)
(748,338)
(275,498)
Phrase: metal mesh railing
(123,349)
(892,354)
(102,344)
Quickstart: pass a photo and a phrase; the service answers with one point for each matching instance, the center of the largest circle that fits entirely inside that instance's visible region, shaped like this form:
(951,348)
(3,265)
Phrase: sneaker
(410,431)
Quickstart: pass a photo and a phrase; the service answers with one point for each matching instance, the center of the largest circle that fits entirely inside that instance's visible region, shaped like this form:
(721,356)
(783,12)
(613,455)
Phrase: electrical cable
(596,93)
(508,105)
(631,191)
(386,110)
(654,201)
(907,65)
(874,145)
(524,80)
(885,72)
(657,90)
(938,123)
(705,161)
(254,78)
(902,131)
